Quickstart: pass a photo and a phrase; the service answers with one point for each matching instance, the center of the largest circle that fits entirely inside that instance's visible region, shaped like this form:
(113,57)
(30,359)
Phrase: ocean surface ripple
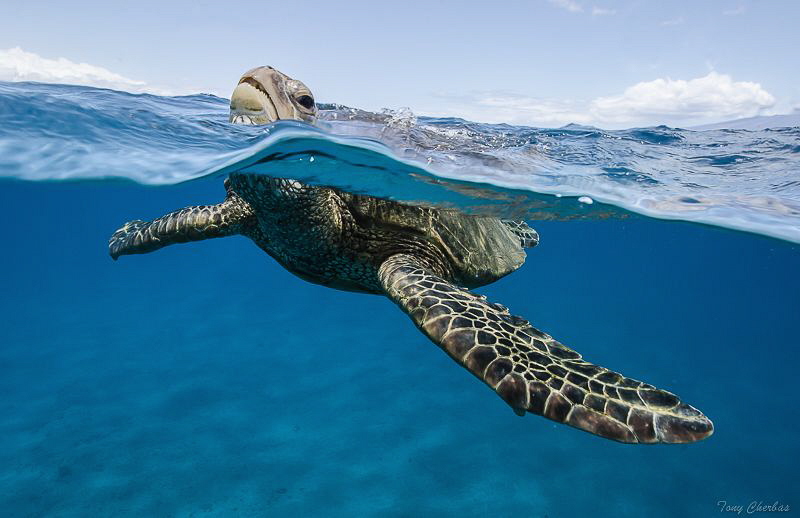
(740,179)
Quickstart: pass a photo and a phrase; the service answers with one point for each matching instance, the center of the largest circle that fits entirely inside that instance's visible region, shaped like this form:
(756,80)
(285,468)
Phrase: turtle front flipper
(532,371)
(187,224)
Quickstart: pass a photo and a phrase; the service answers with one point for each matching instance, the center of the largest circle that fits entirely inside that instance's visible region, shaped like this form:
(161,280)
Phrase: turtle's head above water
(266,95)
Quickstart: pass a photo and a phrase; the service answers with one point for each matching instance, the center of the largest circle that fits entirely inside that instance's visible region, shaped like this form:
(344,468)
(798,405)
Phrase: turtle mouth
(251,103)
(255,84)
(244,120)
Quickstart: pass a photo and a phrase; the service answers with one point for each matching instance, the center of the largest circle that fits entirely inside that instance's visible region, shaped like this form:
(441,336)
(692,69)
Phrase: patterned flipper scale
(187,224)
(530,370)
(528,237)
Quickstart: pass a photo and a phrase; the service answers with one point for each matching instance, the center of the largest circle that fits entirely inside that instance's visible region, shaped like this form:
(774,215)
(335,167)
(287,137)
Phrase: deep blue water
(204,380)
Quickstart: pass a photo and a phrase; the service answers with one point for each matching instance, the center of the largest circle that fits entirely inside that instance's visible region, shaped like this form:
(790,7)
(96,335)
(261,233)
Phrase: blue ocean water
(205,380)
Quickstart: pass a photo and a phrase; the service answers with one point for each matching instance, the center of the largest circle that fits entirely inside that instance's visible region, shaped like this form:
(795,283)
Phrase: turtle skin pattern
(530,370)
(528,237)
(181,226)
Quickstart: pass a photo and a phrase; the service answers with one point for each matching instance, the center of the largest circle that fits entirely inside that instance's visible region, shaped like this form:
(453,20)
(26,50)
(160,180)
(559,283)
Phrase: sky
(544,63)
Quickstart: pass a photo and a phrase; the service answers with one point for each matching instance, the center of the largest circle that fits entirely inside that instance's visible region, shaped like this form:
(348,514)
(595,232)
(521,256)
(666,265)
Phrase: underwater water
(205,380)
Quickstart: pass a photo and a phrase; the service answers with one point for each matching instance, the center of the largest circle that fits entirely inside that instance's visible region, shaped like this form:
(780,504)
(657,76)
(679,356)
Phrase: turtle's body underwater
(425,260)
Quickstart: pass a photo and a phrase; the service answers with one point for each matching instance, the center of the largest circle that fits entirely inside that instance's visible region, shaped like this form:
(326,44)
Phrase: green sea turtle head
(266,95)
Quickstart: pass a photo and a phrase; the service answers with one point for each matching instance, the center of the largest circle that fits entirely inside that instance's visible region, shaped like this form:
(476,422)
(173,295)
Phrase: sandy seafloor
(204,380)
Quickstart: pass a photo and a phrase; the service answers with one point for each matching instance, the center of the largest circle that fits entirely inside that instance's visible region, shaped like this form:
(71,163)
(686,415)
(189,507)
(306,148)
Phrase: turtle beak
(261,98)
(249,106)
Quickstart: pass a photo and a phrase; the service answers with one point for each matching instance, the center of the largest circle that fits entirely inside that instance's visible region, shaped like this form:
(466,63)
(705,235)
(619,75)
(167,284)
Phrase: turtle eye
(306,101)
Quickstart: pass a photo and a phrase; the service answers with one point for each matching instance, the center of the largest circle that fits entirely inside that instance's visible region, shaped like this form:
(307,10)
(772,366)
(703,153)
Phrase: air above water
(205,380)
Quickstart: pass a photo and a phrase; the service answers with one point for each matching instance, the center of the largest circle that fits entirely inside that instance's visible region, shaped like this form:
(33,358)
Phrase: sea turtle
(425,260)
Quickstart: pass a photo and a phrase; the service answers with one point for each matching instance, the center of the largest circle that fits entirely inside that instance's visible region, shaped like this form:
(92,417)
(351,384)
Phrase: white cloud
(518,109)
(661,101)
(19,65)
(575,7)
(569,5)
(674,21)
(712,96)
(734,12)
(599,11)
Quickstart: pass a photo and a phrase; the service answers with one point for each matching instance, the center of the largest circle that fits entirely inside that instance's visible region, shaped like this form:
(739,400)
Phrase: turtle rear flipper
(528,237)
(187,224)
(530,370)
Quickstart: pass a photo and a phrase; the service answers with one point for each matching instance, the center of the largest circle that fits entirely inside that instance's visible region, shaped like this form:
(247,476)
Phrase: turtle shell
(481,249)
